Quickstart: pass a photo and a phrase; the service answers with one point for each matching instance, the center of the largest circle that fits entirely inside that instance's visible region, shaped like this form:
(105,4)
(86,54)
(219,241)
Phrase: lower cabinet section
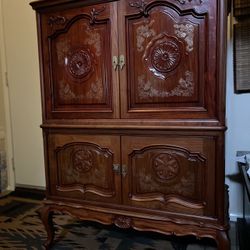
(170,182)
(163,173)
(169,173)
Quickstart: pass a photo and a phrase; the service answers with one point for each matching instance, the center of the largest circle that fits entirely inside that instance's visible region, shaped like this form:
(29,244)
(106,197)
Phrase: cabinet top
(39,5)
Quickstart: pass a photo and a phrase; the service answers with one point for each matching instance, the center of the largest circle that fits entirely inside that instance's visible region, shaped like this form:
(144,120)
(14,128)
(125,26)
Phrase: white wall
(23,76)
(2,111)
(238,134)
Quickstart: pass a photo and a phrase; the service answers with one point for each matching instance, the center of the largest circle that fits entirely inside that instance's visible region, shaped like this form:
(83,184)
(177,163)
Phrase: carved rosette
(165,57)
(165,167)
(82,160)
(80,63)
(162,55)
(122,222)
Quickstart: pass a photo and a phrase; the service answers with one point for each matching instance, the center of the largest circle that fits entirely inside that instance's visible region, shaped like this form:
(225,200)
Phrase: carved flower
(80,63)
(165,166)
(165,56)
(82,160)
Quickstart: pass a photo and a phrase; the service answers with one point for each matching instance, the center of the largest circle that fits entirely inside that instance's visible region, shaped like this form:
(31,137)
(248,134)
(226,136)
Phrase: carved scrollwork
(165,166)
(122,222)
(141,5)
(94,13)
(57,20)
(93,38)
(186,32)
(184,88)
(82,160)
(163,54)
(185,1)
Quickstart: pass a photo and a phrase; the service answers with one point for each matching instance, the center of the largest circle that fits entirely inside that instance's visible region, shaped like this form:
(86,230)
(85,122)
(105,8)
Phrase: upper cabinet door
(77,49)
(170,52)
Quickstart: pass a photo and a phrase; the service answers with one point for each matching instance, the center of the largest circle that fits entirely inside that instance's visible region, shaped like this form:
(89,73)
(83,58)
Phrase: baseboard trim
(234,217)
(29,192)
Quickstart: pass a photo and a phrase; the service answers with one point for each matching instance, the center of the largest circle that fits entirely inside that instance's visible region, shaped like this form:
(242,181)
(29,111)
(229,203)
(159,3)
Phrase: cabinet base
(123,221)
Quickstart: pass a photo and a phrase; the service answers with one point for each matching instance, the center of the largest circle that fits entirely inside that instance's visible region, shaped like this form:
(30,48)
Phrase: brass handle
(124,171)
(115,62)
(121,61)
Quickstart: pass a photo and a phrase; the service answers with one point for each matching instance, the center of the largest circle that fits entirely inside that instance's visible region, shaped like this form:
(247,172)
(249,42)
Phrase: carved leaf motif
(95,92)
(141,5)
(93,38)
(80,63)
(184,88)
(186,32)
(142,33)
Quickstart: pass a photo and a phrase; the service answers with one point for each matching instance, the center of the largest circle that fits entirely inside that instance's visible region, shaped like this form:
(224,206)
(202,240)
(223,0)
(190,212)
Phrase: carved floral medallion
(82,160)
(165,56)
(165,166)
(162,55)
(80,63)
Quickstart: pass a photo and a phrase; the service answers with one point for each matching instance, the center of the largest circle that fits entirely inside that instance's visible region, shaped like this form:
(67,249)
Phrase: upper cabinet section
(77,53)
(133,59)
(171,53)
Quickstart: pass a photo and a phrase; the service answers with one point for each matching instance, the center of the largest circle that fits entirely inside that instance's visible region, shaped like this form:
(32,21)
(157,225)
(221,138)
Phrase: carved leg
(47,219)
(223,241)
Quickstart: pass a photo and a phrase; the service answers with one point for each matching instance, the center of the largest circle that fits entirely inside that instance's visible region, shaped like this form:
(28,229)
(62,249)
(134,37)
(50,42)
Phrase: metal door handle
(121,61)
(115,62)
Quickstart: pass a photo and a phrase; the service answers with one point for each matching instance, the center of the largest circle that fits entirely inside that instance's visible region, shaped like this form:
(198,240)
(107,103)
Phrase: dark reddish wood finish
(139,144)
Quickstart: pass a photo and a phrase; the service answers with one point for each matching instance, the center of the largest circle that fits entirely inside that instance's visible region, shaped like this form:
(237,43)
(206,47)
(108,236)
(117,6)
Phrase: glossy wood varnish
(133,96)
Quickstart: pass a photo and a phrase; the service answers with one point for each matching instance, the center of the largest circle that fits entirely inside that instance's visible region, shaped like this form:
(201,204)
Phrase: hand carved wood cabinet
(133,97)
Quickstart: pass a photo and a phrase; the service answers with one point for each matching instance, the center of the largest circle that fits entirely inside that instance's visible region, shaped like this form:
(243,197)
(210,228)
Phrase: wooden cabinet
(133,96)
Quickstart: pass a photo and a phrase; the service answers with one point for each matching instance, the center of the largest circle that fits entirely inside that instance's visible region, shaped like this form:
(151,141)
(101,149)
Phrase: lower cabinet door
(170,173)
(82,167)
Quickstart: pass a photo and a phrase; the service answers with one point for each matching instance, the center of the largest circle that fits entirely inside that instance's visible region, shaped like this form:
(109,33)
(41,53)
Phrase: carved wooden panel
(78,51)
(167,45)
(169,174)
(82,167)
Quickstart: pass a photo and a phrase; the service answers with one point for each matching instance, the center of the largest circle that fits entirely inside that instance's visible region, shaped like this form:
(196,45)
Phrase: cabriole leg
(47,219)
